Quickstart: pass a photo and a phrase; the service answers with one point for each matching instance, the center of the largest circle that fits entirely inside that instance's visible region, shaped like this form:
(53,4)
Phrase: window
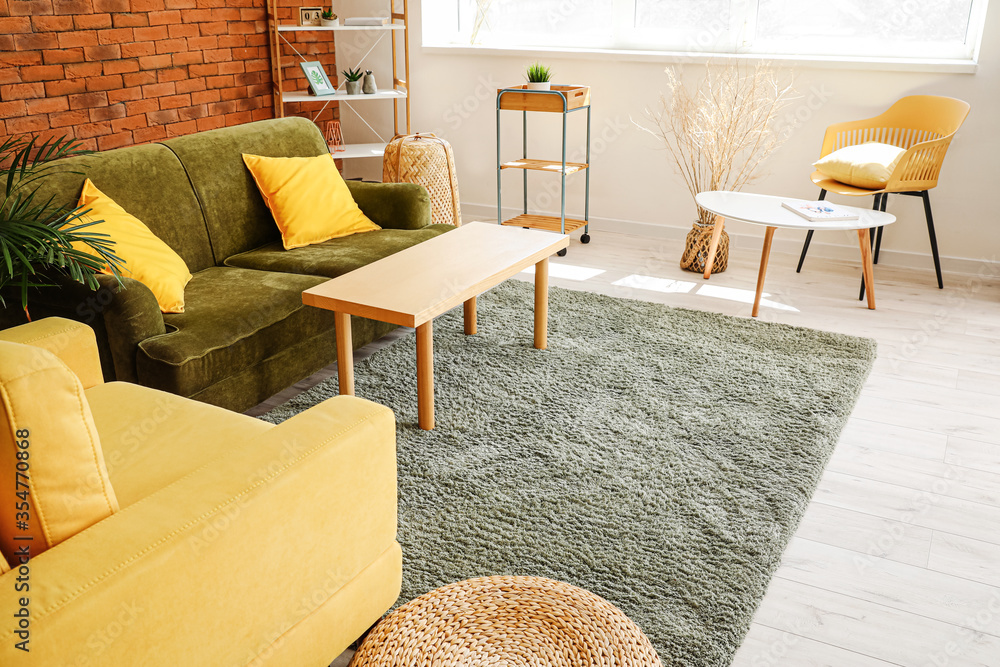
(893,29)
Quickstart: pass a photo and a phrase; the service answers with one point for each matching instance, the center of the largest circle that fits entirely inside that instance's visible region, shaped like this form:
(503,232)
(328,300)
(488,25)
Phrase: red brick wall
(117,72)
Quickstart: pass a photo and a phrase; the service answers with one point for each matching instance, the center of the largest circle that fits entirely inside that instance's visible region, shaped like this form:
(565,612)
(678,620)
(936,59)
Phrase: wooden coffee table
(413,286)
(767,210)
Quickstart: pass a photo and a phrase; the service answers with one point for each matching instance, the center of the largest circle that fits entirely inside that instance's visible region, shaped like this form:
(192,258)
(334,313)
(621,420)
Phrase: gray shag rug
(658,457)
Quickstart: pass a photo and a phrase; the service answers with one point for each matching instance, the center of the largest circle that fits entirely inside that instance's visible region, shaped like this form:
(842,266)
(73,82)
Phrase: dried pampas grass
(719,132)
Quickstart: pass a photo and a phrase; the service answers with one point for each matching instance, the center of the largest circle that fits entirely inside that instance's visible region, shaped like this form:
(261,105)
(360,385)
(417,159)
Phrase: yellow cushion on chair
(867,165)
(51,464)
(147,258)
(308,198)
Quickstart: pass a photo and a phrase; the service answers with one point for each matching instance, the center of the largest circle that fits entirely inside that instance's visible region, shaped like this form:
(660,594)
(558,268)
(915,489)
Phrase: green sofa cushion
(233,318)
(149,182)
(237,217)
(337,256)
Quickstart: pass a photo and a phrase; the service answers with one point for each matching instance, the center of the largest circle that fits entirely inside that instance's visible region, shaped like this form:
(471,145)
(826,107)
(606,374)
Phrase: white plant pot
(540,85)
(329,23)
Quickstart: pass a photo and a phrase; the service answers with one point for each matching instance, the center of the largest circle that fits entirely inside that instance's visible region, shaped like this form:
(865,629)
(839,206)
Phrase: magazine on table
(819,211)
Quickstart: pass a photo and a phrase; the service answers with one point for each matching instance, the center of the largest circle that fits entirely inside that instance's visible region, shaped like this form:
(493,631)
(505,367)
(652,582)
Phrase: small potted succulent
(353,83)
(328,19)
(539,77)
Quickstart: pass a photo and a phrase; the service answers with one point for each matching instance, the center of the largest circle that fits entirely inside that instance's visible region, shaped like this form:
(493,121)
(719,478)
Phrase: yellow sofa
(234,542)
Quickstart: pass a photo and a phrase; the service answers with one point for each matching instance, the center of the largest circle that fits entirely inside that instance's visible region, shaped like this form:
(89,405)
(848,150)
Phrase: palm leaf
(38,237)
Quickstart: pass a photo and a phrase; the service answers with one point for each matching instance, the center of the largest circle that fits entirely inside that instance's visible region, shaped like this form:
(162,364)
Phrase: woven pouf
(526,621)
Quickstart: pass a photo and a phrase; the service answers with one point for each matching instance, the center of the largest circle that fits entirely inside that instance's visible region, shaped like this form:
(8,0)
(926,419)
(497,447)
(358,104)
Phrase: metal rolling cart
(560,99)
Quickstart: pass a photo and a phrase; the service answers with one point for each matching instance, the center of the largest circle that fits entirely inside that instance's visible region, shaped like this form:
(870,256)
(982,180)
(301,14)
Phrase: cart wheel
(562,253)
(585,238)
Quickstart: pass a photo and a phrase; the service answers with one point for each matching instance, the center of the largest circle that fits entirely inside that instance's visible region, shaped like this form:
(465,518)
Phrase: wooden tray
(536,100)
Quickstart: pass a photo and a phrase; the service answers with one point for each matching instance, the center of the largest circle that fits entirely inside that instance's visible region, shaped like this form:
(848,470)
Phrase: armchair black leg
(878,245)
(809,238)
(878,237)
(805,249)
(926,196)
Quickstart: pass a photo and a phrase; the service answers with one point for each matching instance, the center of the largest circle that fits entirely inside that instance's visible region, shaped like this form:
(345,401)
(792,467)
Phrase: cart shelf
(560,99)
(545,165)
(549,223)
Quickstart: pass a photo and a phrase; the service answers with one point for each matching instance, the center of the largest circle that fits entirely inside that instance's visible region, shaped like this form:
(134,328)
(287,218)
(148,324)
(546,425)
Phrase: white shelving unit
(398,92)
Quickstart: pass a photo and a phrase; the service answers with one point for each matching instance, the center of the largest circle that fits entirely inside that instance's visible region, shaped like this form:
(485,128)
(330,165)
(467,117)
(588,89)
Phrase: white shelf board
(298,28)
(360,150)
(343,97)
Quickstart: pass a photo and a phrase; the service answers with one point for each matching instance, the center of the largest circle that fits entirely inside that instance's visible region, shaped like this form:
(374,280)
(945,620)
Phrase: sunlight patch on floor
(568,271)
(665,285)
(741,296)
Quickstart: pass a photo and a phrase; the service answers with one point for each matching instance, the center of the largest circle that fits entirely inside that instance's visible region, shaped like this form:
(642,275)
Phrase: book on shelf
(366,20)
(819,211)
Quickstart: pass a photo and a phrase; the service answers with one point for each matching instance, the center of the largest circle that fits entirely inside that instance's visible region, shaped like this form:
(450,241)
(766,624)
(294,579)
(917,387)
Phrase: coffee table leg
(345,353)
(425,375)
(713,246)
(768,237)
(542,304)
(864,240)
(470,317)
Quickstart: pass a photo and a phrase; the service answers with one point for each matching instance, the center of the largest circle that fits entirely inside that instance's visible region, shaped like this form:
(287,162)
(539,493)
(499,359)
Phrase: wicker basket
(507,621)
(424,159)
(696,248)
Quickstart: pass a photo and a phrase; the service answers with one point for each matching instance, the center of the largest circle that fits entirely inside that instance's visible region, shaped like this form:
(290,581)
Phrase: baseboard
(788,243)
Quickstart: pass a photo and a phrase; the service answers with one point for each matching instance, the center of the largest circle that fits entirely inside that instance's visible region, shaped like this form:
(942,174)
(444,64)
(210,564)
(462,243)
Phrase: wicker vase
(424,159)
(696,249)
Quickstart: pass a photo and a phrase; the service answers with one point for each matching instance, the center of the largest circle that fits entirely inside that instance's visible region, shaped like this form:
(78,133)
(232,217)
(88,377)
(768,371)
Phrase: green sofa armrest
(121,316)
(393,205)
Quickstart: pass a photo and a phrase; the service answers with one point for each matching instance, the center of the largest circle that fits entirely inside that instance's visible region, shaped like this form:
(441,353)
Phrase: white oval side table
(767,210)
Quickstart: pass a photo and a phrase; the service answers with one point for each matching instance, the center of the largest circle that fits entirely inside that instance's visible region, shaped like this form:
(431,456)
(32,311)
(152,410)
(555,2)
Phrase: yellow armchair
(924,126)
(235,542)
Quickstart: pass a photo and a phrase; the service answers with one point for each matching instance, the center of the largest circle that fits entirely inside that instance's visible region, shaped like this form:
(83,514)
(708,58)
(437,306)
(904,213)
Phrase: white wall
(454,95)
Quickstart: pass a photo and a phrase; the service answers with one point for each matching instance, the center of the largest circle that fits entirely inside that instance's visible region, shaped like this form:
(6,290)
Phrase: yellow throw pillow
(308,198)
(867,165)
(52,467)
(146,258)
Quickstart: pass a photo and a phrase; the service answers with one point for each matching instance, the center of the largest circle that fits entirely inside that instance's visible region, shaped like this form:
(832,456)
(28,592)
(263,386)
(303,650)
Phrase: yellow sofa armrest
(219,566)
(73,342)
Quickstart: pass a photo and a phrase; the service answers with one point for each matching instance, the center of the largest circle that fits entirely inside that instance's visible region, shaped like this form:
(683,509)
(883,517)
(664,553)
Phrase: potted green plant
(539,77)
(353,80)
(328,19)
(39,240)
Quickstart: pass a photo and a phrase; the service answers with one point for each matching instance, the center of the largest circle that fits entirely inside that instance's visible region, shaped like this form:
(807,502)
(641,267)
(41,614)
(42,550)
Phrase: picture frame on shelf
(319,82)
(310,16)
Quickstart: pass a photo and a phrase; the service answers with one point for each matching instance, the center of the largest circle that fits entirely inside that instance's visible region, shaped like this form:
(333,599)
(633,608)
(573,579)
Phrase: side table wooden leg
(764,255)
(864,240)
(713,245)
(345,353)
(425,375)
(542,304)
(470,317)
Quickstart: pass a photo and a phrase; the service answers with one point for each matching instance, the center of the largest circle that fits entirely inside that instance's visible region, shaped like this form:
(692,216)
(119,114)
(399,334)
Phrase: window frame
(729,44)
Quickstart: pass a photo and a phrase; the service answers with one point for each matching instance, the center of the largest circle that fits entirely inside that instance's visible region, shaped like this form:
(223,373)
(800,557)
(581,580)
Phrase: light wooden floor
(897,561)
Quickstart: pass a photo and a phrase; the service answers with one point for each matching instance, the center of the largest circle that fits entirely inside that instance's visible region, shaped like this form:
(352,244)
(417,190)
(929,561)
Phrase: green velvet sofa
(245,333)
